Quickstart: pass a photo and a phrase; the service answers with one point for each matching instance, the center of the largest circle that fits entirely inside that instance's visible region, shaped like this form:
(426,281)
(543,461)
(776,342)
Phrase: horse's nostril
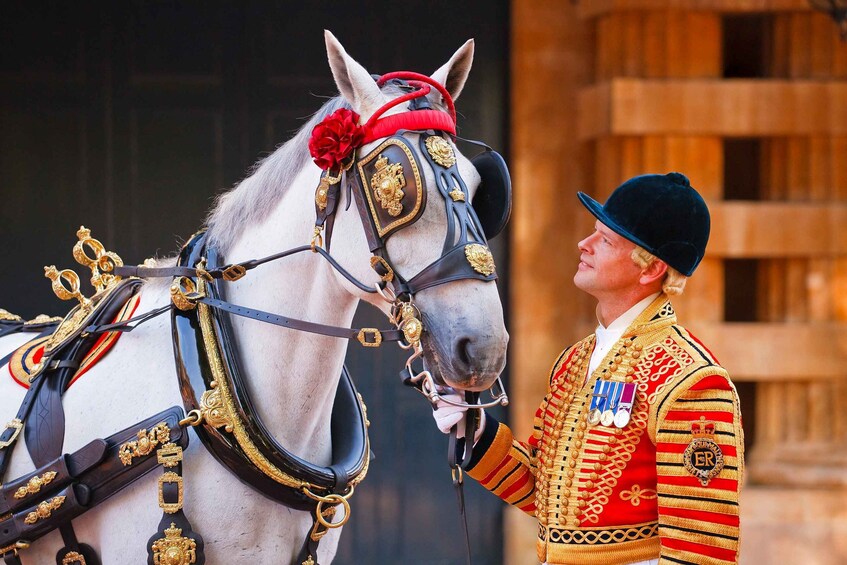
(463,351)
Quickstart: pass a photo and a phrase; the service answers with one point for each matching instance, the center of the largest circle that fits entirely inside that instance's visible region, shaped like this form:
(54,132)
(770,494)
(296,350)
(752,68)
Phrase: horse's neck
(292,374)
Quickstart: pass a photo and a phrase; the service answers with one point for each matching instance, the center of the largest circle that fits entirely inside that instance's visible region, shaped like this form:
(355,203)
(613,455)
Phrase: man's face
(605,266)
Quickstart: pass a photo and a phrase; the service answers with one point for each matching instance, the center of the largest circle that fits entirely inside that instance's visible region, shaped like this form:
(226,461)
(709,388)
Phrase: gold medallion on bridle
(480,258)
(387,184)
(440,151)
(174,549)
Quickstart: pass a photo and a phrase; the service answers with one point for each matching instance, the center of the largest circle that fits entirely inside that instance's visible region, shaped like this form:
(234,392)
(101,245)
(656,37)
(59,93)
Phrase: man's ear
(655,271)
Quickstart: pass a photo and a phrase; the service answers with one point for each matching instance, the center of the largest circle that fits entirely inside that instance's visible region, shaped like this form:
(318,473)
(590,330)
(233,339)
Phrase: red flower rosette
(335,139)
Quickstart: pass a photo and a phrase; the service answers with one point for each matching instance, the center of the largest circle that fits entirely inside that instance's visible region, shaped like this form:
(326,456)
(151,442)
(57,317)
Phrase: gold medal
(594,417)
(607,418)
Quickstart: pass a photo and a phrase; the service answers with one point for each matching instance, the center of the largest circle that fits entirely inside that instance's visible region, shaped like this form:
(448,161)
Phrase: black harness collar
(207,360)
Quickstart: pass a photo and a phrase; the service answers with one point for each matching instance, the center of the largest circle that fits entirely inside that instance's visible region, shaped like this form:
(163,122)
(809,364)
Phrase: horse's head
(414,194)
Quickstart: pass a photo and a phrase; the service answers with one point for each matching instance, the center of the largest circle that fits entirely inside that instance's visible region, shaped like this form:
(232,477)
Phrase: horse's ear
(454,73)
(353,81)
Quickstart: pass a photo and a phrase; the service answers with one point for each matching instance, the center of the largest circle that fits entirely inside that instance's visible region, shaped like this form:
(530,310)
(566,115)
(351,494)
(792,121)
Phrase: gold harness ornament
(34,484)
(174,549)
(65,284)
(44,510)
(145,444)
(387,184)
(440,151)
(480,258)
(72,557)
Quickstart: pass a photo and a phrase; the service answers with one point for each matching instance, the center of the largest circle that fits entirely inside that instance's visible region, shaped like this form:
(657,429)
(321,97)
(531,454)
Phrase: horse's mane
(254,197)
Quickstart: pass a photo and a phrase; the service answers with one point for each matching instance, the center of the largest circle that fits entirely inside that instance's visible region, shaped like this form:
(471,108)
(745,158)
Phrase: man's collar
(623,321)
(658,314)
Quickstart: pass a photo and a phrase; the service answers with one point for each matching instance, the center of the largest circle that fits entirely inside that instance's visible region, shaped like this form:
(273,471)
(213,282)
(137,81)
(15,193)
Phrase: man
(636,454)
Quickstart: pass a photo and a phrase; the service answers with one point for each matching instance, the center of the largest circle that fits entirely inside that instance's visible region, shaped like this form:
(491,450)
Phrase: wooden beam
(776,352)
(729,108)
(777,229)
(595,8)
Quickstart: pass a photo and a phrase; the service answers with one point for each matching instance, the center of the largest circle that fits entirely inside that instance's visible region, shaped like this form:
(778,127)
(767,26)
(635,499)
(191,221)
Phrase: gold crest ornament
(322,192)
(440,151)
(34,484)
(44,510)
(410,324)
(174,549)
(457,195)
(480,258)
(73,558)
(103,262)
(145,444)
(387,184)
(703,457)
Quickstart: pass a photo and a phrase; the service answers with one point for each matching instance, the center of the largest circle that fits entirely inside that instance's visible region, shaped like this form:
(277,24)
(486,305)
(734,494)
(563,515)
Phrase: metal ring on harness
(334,500)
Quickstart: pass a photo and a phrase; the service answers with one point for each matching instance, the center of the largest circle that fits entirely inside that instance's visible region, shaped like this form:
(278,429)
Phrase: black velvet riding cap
(661,213)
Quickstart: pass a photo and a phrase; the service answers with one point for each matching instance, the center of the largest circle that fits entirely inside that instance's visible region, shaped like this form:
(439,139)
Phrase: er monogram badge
(703,457)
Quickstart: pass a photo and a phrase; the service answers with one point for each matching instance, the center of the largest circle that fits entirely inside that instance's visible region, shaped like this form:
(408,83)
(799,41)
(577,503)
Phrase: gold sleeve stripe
(496,454)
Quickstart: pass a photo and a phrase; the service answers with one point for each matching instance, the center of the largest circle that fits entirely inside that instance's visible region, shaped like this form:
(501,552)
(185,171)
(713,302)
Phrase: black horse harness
(389,188)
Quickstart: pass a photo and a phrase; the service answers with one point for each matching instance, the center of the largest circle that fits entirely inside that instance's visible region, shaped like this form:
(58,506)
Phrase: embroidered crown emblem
(703,429)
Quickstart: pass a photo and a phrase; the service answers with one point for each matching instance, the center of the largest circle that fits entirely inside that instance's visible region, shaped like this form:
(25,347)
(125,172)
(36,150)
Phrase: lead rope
(459,454)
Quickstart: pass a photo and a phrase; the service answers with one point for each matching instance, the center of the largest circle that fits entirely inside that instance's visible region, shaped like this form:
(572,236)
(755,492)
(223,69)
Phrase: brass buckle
(234,272)
(389,275)
(364,332)
(170,507)
(169,455)
(16,425)
(184,294)
(14,548)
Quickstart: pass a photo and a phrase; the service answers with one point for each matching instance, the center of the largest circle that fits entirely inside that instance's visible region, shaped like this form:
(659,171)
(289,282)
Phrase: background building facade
(748,98)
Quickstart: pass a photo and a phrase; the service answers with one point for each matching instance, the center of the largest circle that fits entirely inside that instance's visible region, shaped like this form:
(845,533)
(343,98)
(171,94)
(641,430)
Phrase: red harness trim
(31,352)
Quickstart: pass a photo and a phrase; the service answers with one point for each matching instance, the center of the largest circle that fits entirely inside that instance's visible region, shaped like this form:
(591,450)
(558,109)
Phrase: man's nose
(583,245)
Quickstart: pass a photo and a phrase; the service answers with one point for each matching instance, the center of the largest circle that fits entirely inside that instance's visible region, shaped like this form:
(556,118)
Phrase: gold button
(594,476)
(582,504)
(568,482)
(574,455)
(606,449)
(577,444)
(572,464)
(580,434)
(629,379)
(602,457)
(613,440)
(598,467)
(589,484)
(583,425)
(570,473)
(622,350)
(613,367)
(618,431)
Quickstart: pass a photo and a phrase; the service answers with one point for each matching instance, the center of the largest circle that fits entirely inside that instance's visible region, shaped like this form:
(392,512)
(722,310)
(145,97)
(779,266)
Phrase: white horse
(292,374)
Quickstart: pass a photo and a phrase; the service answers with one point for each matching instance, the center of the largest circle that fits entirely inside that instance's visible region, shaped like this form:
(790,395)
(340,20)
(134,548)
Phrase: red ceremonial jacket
(665,485)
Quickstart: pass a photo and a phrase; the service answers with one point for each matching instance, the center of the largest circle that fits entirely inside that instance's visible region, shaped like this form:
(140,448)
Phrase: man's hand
(446,415)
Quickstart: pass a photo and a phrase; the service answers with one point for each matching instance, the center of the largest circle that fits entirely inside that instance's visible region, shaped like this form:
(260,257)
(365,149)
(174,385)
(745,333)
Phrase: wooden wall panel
(729,108)
(595,8)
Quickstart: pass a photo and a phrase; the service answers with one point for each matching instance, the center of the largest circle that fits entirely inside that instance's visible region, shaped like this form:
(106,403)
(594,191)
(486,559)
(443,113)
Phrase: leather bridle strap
(302,325)
(226,272)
